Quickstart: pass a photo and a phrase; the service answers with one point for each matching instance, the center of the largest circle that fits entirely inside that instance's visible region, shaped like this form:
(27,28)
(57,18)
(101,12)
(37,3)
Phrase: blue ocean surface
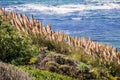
(98,19)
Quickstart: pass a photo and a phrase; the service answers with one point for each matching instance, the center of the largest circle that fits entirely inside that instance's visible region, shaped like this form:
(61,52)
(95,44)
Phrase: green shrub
(33,60)
(99,73)
(15,47)
(83,67)
(114,70)
(44,75)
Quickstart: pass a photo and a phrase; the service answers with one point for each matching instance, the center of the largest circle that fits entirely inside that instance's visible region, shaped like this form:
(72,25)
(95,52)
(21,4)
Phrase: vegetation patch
(19,48)
(15,47)
(44,75)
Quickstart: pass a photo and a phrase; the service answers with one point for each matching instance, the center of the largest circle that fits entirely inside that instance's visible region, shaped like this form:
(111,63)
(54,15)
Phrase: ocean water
(98,19)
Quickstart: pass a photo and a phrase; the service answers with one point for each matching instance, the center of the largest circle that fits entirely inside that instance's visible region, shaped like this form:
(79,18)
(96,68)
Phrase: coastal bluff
(106,53)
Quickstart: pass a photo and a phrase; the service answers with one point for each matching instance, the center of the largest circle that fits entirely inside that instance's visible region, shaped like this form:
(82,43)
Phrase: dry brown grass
(10,72)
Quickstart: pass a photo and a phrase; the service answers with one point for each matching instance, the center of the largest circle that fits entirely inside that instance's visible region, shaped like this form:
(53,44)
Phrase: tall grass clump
(59,47)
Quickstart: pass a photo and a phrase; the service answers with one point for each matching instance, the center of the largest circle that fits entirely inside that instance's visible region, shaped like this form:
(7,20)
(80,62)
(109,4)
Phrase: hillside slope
(26,41)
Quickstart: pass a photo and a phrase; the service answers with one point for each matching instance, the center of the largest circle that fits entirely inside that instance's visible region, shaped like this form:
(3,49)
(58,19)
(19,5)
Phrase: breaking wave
(64,9)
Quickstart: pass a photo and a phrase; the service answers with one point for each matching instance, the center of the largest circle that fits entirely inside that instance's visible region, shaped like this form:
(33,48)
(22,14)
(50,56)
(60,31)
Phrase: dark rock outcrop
(61,64)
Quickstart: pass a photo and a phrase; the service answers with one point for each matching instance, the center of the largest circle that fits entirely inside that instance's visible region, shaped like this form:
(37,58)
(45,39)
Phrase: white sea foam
(103,1)
(63,9)
(71,32)
(76,18)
